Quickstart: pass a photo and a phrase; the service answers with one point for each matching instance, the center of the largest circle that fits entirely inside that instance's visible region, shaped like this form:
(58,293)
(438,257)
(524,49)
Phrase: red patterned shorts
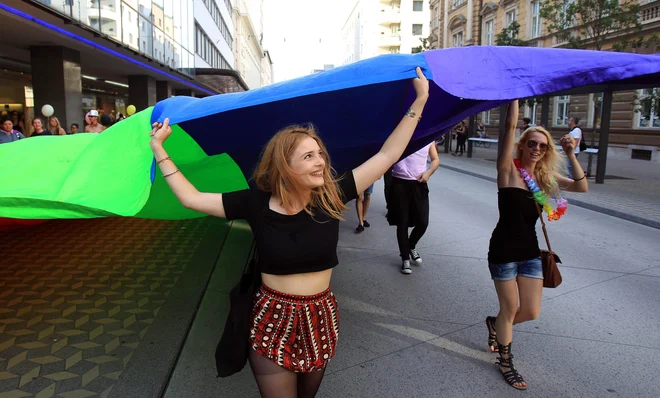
(298,333)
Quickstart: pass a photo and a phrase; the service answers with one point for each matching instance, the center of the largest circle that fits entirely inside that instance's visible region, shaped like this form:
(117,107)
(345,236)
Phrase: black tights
(276,382)
(405,243)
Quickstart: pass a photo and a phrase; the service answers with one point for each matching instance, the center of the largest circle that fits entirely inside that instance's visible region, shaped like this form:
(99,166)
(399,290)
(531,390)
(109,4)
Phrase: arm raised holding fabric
(188,195)
(371,170)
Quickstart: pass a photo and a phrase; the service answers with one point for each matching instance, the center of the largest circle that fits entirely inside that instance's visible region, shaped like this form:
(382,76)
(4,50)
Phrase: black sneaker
(366,224)
(359,229)
(405,267)
(415,257)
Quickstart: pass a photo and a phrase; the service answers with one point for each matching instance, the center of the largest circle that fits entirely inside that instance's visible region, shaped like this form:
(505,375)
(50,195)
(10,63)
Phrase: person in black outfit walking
(461,137)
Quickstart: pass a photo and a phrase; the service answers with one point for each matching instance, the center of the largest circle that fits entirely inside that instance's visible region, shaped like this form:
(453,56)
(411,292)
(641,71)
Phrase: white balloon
(47,110)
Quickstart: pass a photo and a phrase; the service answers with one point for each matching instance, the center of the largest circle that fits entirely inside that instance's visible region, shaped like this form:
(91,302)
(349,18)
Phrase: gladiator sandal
(511,376)
(492,337)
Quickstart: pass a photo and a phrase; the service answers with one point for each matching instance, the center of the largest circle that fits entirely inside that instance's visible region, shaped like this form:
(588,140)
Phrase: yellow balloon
(130,110)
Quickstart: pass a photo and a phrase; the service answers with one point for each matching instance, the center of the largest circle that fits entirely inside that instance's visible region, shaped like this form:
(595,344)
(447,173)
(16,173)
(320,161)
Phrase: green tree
(589,23)
(426,44)
(509,36)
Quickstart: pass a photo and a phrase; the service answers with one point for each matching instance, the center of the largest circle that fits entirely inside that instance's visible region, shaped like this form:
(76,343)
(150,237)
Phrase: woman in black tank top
(513,255)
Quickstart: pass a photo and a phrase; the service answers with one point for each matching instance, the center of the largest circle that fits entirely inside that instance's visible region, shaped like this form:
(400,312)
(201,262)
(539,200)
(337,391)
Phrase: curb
(576,202)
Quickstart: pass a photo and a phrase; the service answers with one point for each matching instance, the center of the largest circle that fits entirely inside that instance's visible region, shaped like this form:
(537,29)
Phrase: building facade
(635,121)
(214,31)
(107,54)
(253,62)
(384,27)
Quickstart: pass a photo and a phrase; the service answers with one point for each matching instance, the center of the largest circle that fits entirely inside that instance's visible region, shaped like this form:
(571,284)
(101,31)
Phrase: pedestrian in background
(525,126)
(17,122)
(362,208)
(409,202)
(461,136)
(38,128)
(8,133)
(294,214)
(94,126)
(524,183)
(74,128)
(576,133)
(54,126)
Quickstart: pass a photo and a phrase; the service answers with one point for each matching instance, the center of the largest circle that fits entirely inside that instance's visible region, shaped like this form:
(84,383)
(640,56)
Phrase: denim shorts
(505,272)
(369,190)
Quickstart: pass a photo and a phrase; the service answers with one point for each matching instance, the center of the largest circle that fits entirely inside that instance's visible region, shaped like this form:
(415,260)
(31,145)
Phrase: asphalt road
(423,335)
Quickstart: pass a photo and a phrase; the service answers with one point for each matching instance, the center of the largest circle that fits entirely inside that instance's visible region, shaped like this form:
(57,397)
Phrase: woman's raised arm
(371,170)
(505,158)
(188,195)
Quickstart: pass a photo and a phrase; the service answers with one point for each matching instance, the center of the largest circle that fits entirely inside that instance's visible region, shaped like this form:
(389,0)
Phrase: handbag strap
(545,232)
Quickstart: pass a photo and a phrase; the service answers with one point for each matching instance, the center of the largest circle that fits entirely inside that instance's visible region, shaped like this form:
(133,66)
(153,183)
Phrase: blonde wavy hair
(551,162)
(274,174)
(58,127)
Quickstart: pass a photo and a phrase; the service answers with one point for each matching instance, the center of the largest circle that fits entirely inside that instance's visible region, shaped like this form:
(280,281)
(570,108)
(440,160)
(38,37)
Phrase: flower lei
(539,196)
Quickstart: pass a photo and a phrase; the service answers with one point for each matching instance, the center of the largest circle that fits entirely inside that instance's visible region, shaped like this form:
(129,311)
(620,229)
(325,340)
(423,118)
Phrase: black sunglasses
(531,144)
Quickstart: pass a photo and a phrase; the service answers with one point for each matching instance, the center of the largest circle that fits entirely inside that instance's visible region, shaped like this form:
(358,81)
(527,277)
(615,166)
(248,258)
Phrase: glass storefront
(160,29)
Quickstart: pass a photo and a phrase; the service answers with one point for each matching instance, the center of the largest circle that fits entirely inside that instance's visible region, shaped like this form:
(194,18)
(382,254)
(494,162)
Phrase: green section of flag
(108,174)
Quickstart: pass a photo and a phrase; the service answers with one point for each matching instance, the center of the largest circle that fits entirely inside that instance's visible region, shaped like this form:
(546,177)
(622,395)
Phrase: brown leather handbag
(551,274)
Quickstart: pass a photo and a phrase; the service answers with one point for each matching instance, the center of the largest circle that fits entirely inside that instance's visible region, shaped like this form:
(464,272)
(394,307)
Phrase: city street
(423,335)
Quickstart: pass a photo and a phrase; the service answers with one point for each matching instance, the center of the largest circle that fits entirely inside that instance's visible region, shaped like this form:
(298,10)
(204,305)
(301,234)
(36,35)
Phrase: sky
(303,35)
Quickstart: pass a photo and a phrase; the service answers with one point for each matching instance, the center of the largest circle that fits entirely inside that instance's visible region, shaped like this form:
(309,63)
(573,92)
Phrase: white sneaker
(415,257)
(405,267)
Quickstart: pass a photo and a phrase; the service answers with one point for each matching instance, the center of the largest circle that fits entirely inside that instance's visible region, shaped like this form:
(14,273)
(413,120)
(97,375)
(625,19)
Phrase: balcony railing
(650,13)
(390,40)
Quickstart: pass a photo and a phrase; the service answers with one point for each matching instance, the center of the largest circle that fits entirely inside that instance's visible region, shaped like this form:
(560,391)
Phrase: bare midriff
(306,284)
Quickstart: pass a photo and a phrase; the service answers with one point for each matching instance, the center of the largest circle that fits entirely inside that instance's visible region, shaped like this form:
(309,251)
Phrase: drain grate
(641,154)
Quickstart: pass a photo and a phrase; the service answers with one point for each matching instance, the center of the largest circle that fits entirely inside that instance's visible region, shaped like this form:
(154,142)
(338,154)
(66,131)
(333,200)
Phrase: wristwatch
(412,113)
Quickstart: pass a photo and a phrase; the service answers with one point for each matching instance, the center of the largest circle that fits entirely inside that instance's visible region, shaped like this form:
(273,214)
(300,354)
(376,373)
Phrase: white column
(468,33)
(445,25)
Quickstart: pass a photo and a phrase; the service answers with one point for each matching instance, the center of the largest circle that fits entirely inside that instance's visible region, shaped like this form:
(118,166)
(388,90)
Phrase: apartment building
(253,62)
(376,27)
(635,123)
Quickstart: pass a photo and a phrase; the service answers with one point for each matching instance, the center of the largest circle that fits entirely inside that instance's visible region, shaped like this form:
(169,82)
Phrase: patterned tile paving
(78,296)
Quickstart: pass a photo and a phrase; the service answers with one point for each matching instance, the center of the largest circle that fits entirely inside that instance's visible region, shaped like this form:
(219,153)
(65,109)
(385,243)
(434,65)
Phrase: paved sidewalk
(631,190)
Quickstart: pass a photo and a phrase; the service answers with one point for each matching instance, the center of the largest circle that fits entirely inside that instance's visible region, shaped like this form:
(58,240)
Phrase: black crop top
(514,238)
(289,244)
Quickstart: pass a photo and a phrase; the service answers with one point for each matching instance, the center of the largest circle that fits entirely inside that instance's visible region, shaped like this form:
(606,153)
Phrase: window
(418,5)
(563,13)
(593,99)
(205,48)
(510,17)
(395,50)
(436,16)
(219,21)
(530,112)
(561,110)
(417,29)
(457,3)
(648,108)
(536,22)
(489,32)
(395,28)
(457,39)
(486,117)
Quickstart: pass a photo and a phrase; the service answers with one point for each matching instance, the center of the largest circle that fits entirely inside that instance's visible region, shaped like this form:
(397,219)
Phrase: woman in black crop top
(294,214)
(514,256)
